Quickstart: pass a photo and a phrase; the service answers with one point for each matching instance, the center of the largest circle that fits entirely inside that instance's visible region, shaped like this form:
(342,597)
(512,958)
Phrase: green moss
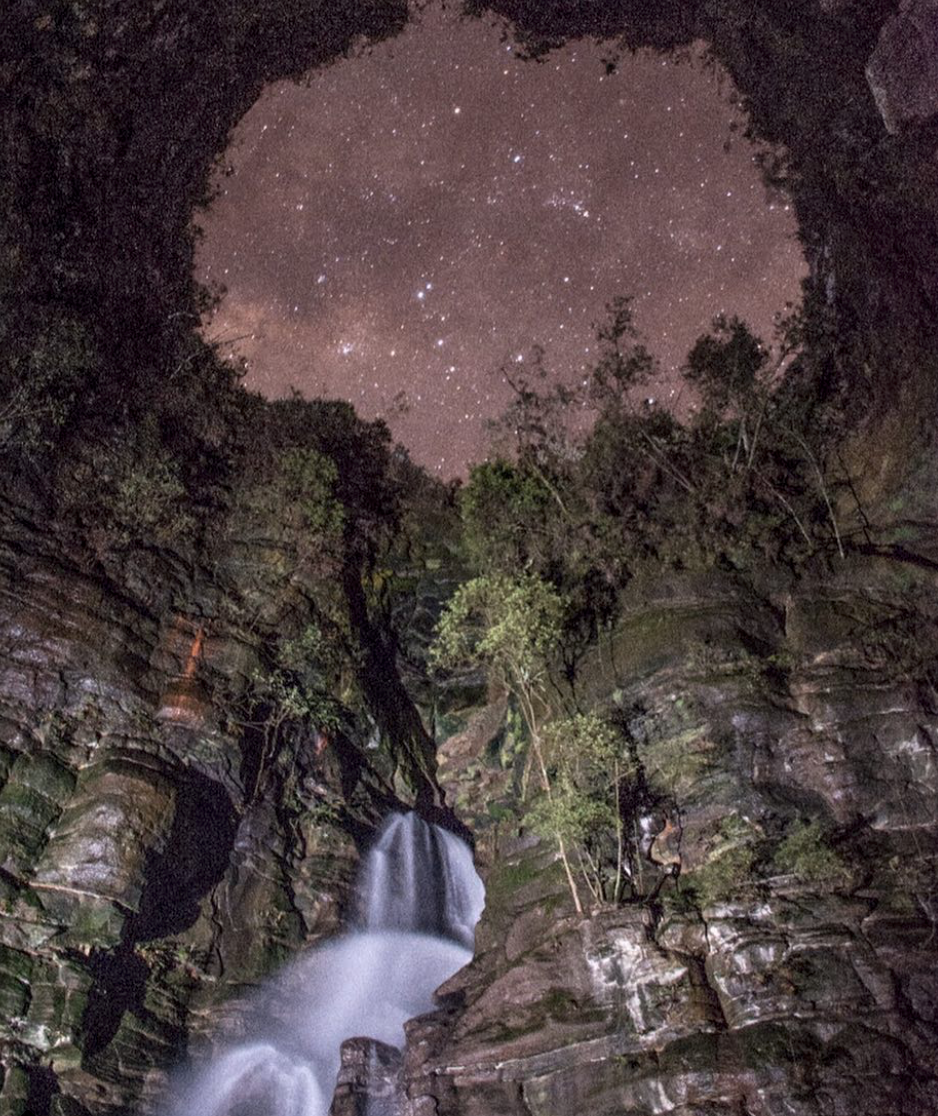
(14,1092)
(94,922)
(806,852)
(30,802)
(509,878)
(502,1032)
(674,763)
(16,970)
(541,883)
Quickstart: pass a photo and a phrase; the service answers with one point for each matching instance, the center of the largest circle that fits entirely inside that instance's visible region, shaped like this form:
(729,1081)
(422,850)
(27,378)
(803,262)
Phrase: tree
(508,516)
(737,375)
(624,361)
(510,627)
(38,389)
(585,765)
(727,366)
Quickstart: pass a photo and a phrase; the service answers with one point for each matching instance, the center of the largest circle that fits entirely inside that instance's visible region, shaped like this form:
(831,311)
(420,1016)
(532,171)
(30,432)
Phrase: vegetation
(806,852)
(40,385)
(730,865)
(510,626)
(564,515)
(300,512)
(751,475)
(586,777)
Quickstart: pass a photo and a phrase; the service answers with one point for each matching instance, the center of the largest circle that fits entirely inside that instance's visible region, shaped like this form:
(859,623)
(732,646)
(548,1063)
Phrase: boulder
(903,68)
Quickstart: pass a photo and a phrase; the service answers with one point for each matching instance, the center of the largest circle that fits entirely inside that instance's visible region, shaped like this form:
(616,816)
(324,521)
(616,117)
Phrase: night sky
(414,217)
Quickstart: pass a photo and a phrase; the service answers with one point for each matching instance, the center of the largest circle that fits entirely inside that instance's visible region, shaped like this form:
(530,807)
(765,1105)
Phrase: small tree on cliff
(510,626)
(587,770)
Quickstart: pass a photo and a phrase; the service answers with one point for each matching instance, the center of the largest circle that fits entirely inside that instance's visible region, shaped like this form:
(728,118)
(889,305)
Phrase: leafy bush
(308,479)
(730,865)
(508,625)
(150,502)
(40,388)
(506,513)
(586,770)
(806,852)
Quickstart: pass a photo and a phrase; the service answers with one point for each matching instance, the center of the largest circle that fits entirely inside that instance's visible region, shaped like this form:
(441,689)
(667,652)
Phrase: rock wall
(744,985)
(155,866)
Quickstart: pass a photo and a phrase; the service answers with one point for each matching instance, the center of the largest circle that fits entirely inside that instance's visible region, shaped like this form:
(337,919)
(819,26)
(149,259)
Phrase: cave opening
(397,226)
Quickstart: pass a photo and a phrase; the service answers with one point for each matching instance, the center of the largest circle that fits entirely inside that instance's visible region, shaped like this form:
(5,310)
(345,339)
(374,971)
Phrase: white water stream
(421,899)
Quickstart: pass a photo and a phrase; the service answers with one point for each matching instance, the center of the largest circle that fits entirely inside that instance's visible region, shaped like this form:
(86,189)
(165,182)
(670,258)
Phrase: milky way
(397,228)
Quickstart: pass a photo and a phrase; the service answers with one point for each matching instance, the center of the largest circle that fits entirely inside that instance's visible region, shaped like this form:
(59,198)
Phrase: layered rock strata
(741,987)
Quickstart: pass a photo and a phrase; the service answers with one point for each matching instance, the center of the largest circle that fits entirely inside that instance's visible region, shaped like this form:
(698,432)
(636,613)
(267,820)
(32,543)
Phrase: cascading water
(420,900)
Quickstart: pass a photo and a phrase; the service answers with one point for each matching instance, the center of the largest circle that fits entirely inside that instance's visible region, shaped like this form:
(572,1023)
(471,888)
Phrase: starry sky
(398,227)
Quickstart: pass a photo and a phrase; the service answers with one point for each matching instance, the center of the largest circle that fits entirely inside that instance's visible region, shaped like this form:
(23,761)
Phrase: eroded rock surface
(903,69)
(739,988)
(156,864)
(156,861)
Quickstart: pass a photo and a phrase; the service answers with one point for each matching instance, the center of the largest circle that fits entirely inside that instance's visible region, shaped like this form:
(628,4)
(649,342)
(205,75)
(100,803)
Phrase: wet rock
(153,869)
(122,811)
(737,989)
(369,1080)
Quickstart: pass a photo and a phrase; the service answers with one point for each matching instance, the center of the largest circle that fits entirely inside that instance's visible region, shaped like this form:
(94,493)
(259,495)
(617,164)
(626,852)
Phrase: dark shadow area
(193,861)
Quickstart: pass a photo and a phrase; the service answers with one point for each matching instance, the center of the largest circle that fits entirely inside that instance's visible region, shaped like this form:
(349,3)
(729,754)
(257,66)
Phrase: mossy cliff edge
(215,615)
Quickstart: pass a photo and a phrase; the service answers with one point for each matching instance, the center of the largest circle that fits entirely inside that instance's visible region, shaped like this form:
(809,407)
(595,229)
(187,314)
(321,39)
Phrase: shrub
(149,502)
(39,388)
(730,866)
(806,852)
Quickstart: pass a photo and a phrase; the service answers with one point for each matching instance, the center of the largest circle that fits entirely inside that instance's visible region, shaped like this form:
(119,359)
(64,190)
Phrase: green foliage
(283,697)
(584,750)
(730,865)
(293,695)
(576,815)
(308,479)
(587,776)
(299,685)
(806,852)
(311,649)
(150,501)
(290,528)
(725,365)
(506,514)
(130,489)
(40,387)
(299,491)
(507,625)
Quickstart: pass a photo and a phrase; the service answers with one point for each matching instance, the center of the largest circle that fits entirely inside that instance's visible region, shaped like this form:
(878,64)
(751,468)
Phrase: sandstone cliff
(163,847)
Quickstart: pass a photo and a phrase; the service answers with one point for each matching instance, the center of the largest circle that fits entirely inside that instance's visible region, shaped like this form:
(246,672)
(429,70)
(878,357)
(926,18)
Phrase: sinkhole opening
(407,221)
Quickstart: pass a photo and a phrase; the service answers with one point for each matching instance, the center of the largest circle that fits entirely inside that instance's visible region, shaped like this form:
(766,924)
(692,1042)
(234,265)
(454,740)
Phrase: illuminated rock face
(421,899)
(150,882)
(778,991)
(139,837)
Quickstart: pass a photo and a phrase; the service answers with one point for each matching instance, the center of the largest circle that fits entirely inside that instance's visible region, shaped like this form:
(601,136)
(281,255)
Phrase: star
(442,170)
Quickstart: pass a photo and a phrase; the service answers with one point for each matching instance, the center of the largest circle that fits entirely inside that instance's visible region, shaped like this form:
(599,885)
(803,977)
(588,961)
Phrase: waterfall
(420,899)
(421,879)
